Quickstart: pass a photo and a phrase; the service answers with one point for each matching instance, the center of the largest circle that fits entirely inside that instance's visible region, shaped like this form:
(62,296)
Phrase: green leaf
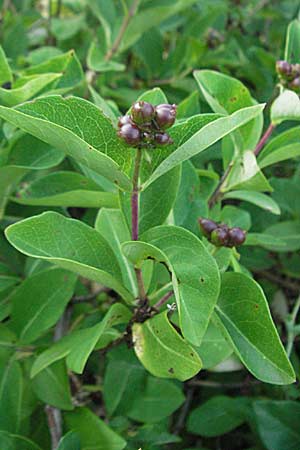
(105,106)
(112,226)
(54,238)
(67,65)
(93,432)
(279,154)
(70,441)
(205,137)
(243,310)
(52,386)
(278,424)
(79,129)
(195,274)
(225,95)
(39,301)
(288,232)
(217,416)
(5,72)
(106,14)
(159,400)
(162,351)
(150,17)
(265,240)
(78,346)
(189,205)
(28,89)
(257,198)
(119,392)
(214,347)
(11,391)
(27,153)
(65,189)
(13,442)
(292,45)
(285,107)
(7,281)
(66,28)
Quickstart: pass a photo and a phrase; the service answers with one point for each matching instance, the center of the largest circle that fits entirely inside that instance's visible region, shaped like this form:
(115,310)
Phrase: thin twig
(163,300)
(114,48)
(88,297)
(184,411)
(54,415)
(278,280)
(135,196)
(55,433)
(217,192)
(264,139)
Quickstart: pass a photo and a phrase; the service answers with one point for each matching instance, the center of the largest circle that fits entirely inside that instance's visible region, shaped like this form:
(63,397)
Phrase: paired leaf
(92,431)
(112,226)
(256,198)
(243,310)
(195,274)
(79,129)
(39,301)
(162,351)
(69,244)
(65,189)
(77,346)
(205,137)
(226,95)
(278,424)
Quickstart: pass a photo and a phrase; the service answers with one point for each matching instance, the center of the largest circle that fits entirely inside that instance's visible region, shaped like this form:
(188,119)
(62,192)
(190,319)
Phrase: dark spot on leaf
(171,370)
(233,99)
(256,306)
(192,354)
(202,279)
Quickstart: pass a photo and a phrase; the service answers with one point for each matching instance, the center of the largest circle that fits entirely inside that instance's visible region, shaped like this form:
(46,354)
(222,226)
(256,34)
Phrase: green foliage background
(69,377)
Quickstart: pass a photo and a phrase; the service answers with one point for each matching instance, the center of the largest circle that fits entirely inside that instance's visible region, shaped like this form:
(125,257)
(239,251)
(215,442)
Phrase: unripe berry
(142,112)
(130,134)
(124,120)
(162,139)
(207,226)
(284,68)
(219,237)
(236,236)
(165,115)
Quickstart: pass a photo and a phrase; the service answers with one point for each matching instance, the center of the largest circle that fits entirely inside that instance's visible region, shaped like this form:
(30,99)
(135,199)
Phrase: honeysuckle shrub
(150,225)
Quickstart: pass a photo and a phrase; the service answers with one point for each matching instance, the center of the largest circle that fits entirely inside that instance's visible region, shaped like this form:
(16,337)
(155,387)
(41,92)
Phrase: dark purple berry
(295,84)
(142,112)
(130,134)
(284,68)
(124,120)
(162,139)
(165,115)
(219,237)
(236,236)
(207,226)
(6,85)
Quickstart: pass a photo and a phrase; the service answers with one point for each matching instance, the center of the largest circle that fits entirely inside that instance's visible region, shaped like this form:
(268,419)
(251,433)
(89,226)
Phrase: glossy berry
(130,134)
(219,237)
(142,112)
(236,236)
(283,68)
(165,115)
(162,139)
(207,226)
(124,120)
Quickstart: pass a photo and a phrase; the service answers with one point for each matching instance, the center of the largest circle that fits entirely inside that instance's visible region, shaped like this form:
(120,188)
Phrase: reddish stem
(264,139)
(163,300)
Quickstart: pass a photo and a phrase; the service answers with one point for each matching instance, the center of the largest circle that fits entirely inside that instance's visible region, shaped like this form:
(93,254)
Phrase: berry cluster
(289,75)
(146,125)
(221,235)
